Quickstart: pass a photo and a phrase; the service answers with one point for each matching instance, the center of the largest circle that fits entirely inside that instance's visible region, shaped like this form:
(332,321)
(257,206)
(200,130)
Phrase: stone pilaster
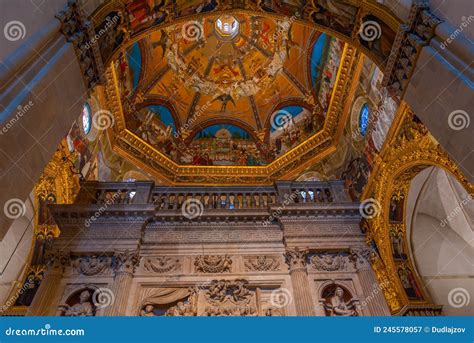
(296,260)
(48,294)
(374,299)
(124,266)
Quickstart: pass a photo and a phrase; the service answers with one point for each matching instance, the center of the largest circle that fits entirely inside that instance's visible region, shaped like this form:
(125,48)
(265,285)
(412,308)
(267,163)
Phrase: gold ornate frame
(408,149)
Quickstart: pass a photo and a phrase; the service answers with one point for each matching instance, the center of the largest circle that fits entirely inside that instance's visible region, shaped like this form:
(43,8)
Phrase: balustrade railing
(229,197)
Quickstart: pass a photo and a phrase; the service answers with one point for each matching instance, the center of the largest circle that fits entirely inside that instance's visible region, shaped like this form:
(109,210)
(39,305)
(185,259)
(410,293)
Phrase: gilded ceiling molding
(409,149)
(320,145)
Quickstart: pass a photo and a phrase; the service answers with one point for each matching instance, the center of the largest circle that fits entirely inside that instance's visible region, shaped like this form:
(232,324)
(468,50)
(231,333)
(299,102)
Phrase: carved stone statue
(181,309)
(337,306)
(147,311)
(82,308)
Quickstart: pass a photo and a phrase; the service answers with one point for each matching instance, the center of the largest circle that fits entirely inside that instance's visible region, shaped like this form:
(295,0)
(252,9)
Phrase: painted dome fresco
(227,89)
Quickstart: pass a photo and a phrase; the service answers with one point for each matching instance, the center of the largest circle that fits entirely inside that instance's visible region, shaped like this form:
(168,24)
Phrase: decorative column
(47,297)
(124,266)
(373,292)
(296,260)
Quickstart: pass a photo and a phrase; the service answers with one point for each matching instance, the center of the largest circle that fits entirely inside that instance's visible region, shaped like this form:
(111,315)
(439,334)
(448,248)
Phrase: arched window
(364,119)
(86,118)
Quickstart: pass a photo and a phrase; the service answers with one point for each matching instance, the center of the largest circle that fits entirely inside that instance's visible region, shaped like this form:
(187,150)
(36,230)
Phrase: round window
(364,119)
(86,118)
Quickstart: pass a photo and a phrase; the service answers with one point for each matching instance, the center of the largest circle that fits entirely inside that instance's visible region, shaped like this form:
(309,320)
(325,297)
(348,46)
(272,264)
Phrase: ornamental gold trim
(408,149)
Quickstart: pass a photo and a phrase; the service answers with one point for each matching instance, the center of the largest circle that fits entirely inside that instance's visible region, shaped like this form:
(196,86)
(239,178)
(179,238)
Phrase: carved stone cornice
(409,41)
(126,261)
(296,259)
(80,32)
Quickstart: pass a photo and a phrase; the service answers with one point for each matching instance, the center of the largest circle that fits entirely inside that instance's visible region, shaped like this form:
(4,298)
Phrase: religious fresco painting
(301,124)
(83,153)
(409,283)
(396,208)
(234,66)
(398,244)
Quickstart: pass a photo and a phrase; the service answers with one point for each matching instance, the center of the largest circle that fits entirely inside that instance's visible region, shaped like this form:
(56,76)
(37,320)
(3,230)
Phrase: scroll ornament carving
(213,264)
(296,259)
(329,262)
(162,264)
(92,265)
(126,261)
(262,263)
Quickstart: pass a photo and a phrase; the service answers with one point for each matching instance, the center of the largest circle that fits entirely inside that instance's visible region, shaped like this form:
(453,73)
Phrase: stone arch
(439,218)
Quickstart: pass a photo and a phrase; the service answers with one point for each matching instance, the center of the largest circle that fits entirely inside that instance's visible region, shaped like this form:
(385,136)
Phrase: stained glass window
(364,119)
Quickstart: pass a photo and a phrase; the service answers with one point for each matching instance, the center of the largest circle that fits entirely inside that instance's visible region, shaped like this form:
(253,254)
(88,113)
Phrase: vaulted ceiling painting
(250,93)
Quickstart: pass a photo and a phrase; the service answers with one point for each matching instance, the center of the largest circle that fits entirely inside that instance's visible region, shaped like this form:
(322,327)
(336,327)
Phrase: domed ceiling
(235,89)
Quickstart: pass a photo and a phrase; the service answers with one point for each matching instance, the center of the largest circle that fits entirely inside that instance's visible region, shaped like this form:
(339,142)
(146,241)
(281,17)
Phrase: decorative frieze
(261,263)
(162,264)
(213,264)
(331,262)
(92,265)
